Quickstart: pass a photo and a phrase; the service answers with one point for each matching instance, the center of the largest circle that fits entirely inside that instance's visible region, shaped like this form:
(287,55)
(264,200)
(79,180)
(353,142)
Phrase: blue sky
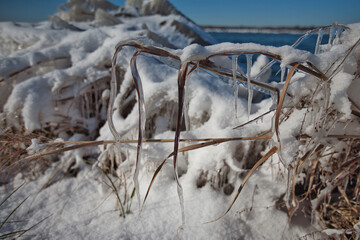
(219,12)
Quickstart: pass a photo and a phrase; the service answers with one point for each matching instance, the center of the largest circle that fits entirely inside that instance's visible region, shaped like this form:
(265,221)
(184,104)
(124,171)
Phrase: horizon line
(296,27)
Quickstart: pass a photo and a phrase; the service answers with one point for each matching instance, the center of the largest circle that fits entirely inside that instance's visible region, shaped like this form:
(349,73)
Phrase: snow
(76,197)
(81,208)
(33,98)
(339,85)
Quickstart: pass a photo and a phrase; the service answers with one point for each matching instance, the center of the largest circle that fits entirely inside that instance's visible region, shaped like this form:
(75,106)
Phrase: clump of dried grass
(340,206)
(13,149)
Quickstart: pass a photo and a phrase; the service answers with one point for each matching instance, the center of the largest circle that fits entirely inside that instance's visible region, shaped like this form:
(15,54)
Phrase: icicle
(83,111)
(331,36)
(288,200)
(324,207)
(186,110)
(337,35)
(249,87)
(186,119)
(235,86)
(274,97)
(282,74)
(113,92)
(318,41)
(87,106)
(182,75)
(257,88)
(186,114)
(97,110)
(181,199)
(142,118)
(140,149)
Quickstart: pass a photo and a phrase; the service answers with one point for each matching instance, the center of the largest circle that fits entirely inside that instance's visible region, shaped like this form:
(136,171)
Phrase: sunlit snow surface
(84,207)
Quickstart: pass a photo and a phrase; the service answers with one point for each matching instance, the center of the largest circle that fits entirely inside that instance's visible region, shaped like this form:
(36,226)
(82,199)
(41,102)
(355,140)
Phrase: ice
(332,32)
(249,85)
(301,39)
(113,93)
(186,102)
(181,199)
(35,146)
(288,195)
(110,113)
(181,95)
(235,85)
(87,106)
(186,113)
(142,119)
(334,233)
(339,31)
(318,41)
(282,74)
(97,110)
(264,69)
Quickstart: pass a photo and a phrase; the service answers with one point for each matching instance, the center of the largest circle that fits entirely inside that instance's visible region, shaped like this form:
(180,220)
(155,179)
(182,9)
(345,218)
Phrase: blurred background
(257,13)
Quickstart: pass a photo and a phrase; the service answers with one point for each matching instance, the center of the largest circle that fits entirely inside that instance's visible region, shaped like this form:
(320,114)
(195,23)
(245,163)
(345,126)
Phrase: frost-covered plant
(302,132)
(313,130)
(161,7)
(58,86)
(83,10)
(137,4)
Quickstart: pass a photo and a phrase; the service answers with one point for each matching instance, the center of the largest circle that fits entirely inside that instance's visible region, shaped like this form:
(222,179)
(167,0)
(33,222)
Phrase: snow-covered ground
(55,80)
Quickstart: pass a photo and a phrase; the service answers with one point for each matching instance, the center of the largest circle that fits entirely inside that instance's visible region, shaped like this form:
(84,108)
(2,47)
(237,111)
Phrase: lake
(269,39)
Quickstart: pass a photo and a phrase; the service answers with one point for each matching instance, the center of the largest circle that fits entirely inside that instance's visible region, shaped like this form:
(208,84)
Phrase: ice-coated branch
(142,118)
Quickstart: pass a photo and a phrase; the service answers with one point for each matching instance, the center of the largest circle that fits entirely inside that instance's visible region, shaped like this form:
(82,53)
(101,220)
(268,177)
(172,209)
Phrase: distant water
(268,39)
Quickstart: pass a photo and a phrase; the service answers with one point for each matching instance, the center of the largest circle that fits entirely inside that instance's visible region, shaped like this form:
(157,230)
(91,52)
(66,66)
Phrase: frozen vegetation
(131,123)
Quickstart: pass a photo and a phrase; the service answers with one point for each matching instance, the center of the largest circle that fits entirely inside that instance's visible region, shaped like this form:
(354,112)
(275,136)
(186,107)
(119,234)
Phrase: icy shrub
(83,10)
(58,23)
(103,18)
(55,80)
(76,13)
(310,131)
(136,4)
(162,7)
(216,119)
